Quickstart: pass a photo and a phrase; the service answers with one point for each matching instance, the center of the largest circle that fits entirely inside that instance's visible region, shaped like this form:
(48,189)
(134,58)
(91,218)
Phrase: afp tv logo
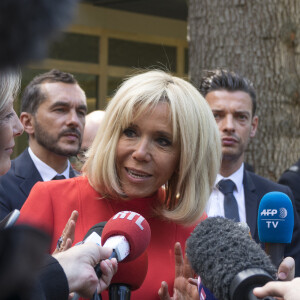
(275,216)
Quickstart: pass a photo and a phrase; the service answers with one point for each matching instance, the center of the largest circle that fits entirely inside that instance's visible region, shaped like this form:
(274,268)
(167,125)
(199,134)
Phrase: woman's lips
(137,174)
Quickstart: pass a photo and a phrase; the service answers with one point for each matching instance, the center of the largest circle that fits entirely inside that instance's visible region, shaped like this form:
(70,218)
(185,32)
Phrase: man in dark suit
(232,99)
(53,113)
(291,178)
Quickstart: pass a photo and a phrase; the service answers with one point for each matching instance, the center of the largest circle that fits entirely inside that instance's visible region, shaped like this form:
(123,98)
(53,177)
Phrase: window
(141,55)
(76,47)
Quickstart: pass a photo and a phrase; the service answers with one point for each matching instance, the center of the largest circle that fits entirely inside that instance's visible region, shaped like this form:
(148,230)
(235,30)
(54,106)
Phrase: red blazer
(51,203)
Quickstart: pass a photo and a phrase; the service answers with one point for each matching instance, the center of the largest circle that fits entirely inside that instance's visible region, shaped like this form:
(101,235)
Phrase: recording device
(128,233)
(94,234)
(27,27)
(10,219)
(129,277)
(228,261)
(275,224)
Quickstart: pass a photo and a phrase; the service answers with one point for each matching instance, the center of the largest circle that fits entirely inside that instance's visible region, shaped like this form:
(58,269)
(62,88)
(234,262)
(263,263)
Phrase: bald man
(92,123)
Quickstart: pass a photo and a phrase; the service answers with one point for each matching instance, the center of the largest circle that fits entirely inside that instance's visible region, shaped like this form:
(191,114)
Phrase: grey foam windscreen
(218,249)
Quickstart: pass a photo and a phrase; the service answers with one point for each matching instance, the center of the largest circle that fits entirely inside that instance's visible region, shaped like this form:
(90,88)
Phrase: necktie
(58,177)
(230,205)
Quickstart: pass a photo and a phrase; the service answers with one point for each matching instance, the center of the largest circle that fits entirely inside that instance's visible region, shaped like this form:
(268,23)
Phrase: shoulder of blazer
(24,166)
(264,185)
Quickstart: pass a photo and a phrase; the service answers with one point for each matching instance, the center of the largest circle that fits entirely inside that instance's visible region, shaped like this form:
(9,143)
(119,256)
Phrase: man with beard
(53,109)
(237,192)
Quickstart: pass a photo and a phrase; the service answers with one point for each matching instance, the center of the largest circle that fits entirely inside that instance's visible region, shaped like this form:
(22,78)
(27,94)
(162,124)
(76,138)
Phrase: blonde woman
(10,125)
(157,152)
(58,276)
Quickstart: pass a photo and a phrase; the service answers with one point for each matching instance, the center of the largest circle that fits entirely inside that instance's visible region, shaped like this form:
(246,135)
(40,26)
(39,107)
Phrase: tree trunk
(260,40)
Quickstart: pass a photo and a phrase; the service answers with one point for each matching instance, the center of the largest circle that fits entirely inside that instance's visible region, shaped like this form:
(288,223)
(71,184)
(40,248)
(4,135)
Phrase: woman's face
(10,126)
(147,157)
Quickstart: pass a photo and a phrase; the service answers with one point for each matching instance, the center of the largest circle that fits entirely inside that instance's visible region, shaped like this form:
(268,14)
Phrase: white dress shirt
(46,172)
(215,205)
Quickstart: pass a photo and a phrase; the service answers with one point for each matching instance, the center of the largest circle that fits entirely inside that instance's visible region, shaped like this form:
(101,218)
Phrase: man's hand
(183,290)
(289,290)
(78,264)
(286,270)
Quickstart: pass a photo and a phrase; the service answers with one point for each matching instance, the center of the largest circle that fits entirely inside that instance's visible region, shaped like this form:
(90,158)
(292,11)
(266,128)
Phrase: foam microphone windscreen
(219,250)
(132,273)
(134,227)
(275,219)
(26,28)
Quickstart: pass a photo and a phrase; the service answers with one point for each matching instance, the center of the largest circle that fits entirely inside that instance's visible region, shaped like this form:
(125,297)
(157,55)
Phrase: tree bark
(260,40)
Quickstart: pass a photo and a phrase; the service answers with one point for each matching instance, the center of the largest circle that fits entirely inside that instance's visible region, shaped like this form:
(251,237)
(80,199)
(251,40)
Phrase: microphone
(228,261)
(129,277)
(10,219)
(94,233)
(93,236)
(27,27)
(275,224)
(128,233)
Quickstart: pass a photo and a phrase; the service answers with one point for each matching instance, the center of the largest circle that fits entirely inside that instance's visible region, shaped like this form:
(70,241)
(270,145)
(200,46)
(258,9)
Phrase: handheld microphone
(27,27)
(129,277)
(128,233)
(93,236)
(94,233)
(275,224)
(228,261)
(10,219)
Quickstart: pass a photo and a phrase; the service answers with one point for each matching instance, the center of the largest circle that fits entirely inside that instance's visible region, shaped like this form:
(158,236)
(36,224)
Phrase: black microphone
(129,277)
(94,235)
(228,261)
(26,28)
(10,219)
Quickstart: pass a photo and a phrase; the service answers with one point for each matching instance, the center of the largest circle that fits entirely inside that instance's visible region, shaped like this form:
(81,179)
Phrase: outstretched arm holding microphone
(288,290)
(84,257)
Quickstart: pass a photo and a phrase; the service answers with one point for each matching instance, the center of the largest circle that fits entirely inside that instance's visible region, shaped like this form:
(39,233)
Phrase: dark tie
(58,177)
(230,205)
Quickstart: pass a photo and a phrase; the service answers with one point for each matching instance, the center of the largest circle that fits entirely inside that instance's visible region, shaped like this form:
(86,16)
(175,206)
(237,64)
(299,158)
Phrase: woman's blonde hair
(194,127)
(9,87)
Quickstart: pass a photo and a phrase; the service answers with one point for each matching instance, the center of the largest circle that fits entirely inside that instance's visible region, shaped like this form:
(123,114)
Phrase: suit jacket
(291,178)
(17,183)
(255,187)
